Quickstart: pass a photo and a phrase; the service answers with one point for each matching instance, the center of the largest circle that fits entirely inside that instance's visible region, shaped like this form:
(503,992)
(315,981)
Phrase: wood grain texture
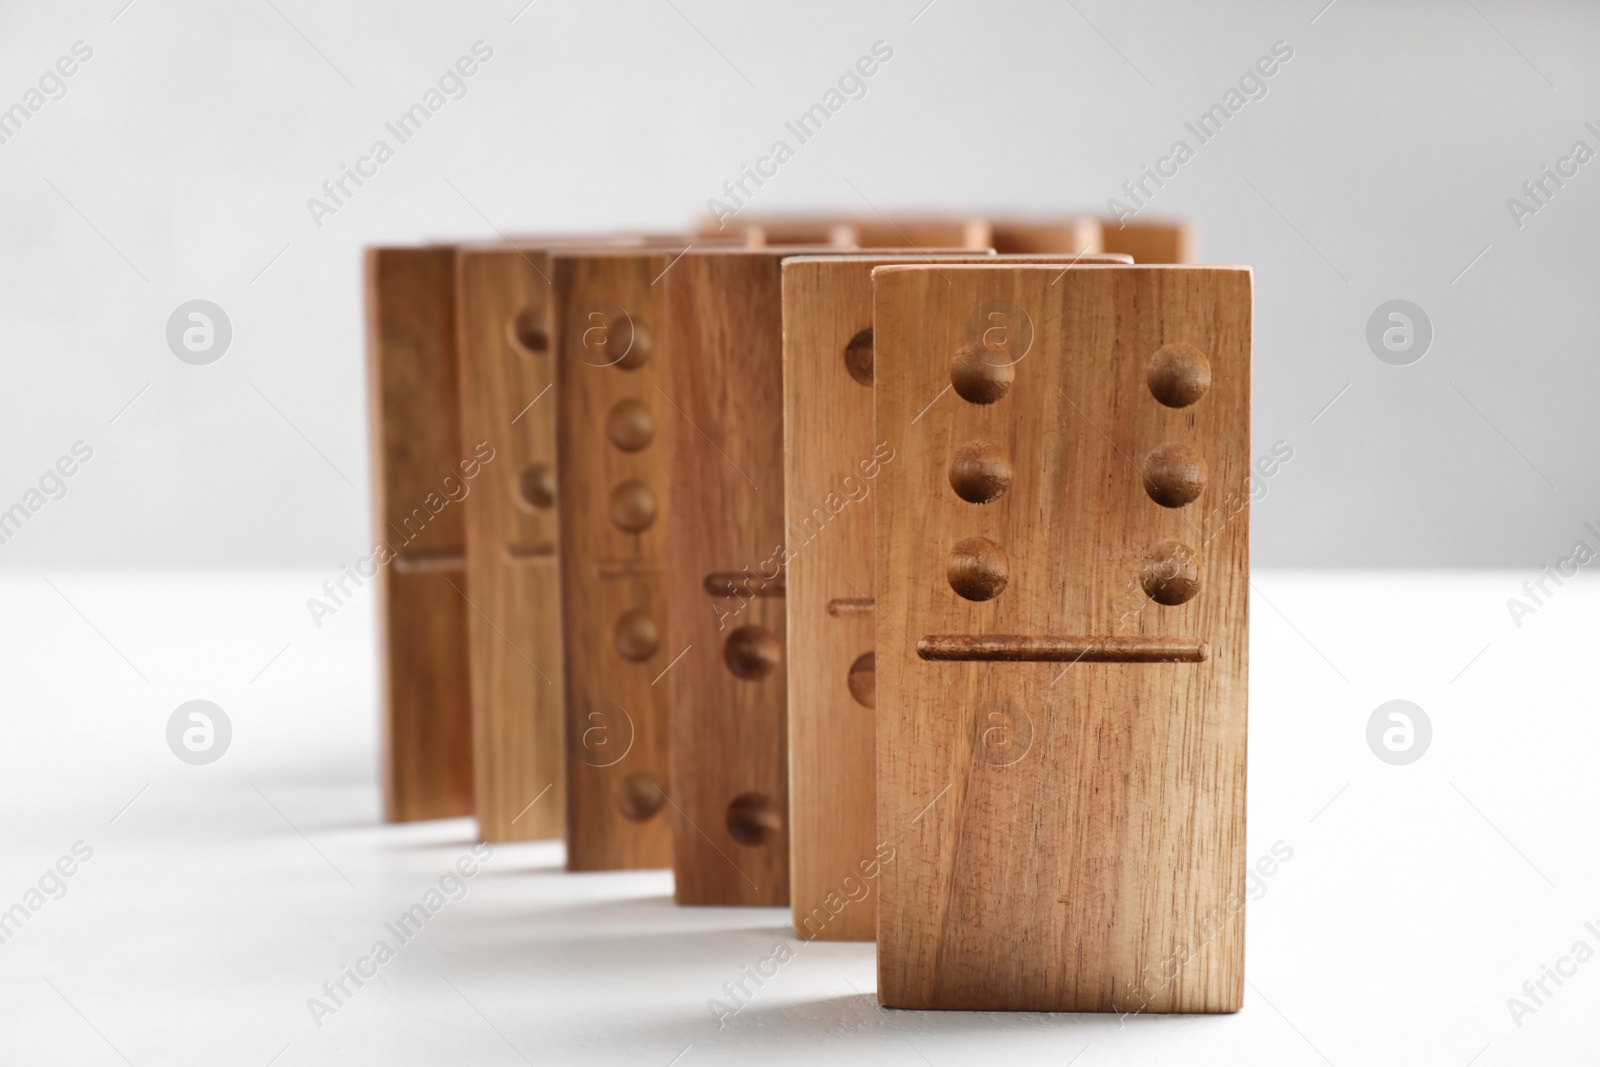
(926,233)
(728,741)
(511,541)
(723,412)
(831,460)
(1068,837)
(416,440)
(611,465)
(1039,236)
(756,231)
(1064,235)
(1150,242)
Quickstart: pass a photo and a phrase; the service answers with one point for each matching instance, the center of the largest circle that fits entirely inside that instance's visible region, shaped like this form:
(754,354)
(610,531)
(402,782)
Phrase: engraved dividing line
(721,584)
(1014,648)
(851,605)
(427,560)
(530,553)
(904,639)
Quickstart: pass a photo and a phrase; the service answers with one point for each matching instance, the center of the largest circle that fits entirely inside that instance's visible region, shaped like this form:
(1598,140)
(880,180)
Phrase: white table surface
(219,898)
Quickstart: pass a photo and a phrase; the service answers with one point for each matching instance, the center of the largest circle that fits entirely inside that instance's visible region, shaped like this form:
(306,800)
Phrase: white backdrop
(176,161)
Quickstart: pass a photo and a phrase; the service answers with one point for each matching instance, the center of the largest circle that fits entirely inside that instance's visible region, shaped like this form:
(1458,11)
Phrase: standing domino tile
(1062,550)
(831,462)
(416,445)
(1150,242)
(723,410)
(723,406)
(612,466)
(511,584)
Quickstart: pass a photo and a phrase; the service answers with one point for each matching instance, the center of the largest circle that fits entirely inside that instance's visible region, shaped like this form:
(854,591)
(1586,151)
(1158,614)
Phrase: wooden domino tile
(1003,235)
(727,735)
(416,445)
(607,320)
(1062,573)
(722,407)
(761,231)
(1063,236)
(831,461)
(1150,242)
(511,591)
(723,417)
(922,233)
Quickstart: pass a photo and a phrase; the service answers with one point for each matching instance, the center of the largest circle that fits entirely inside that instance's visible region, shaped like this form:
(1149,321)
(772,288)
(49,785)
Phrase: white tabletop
(218,899)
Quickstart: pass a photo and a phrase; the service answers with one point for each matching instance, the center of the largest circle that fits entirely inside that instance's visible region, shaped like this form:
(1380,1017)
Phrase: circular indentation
(752,819)
(1399,332)
(637,636)
(981,375)
(629,348)
(1170,574)
(630,426)
(1174,475)
(751,652)
(1178,375)
(980,472)
(536,486)
(858,357)
(529,333)
(863,680)
(1002,732)
(1399,732)
(199,732)
(640,796)
(978,568)
(633,506)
